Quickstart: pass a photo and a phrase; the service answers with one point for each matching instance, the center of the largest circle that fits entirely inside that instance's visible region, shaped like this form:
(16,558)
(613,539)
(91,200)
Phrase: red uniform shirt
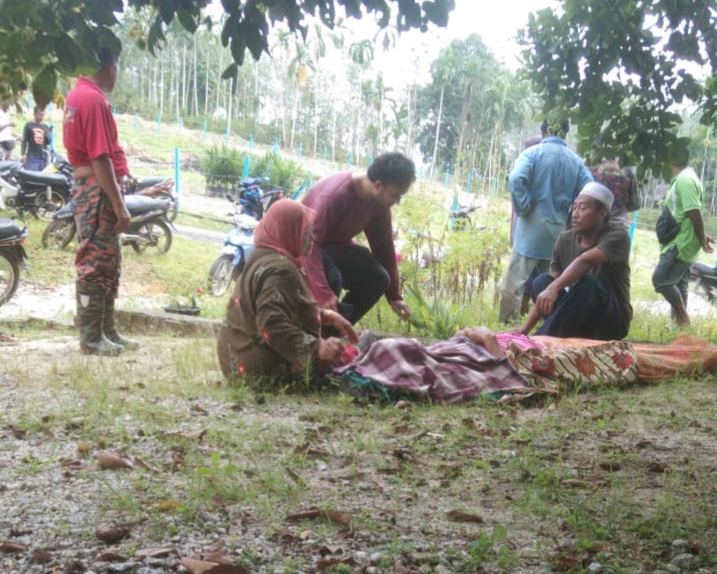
(89,130)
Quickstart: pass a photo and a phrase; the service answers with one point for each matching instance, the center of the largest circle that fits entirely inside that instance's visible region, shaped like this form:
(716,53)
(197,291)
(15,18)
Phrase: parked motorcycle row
(45,195)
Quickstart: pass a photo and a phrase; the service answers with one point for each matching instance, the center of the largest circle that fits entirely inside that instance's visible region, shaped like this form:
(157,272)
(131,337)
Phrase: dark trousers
(35,163)
(671,279)
(587,310)
(355,270)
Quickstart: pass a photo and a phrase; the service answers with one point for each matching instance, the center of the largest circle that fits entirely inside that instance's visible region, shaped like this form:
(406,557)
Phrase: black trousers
(354,270)
(587,310)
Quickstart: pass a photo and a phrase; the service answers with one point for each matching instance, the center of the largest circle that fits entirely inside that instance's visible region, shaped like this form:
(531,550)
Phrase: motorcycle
(38,193)
(251,199)
(159,187)
(237,246)
(12,256)
(149,230)
(705,279)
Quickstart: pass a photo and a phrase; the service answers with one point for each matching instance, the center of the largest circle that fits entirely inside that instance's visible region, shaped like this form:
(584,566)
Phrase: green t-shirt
(687,189)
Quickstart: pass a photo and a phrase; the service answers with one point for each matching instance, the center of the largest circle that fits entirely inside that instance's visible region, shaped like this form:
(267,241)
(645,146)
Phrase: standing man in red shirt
(347,204)
(90,137)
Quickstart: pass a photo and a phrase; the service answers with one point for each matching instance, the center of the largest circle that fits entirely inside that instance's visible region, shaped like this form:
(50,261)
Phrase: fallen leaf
(168,506)
(204,567)
(227,569)
(197,566)
(323,564)
(564,563)
(217,556)
(154,552)
(176,459)
(83,448)
(14,532)
(10,547)
(111,557)
(399,568)
(611,466)
(195,435)
(217,500)
(657,466)
(330,515)
(143,465)
(75,567)
(109,460)
(459,516)
(344,534)
(18,433)
(41,557)
(295,477)
(199,410)
(285,534)
(112,535)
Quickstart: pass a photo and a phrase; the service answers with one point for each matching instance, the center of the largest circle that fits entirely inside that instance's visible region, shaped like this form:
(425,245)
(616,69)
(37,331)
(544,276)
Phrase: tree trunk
(196,92)
(206,86)
(294,114)
(438,131)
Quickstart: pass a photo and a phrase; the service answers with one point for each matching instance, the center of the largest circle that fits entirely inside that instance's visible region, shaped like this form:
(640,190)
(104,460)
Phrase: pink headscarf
(282,229)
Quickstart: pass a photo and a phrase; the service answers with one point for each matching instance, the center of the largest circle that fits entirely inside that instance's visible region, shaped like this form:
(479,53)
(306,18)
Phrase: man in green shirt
(684,200)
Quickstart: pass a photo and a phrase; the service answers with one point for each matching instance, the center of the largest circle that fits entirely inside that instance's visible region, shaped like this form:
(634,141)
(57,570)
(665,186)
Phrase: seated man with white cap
(586,293)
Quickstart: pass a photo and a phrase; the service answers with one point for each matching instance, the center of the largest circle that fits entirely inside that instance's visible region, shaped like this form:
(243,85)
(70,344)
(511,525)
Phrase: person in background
(586,293)
(273,327)
(543,184)
(93,150)
(623,184)
(684,200)
(7,139)
(347,204)
(36,140)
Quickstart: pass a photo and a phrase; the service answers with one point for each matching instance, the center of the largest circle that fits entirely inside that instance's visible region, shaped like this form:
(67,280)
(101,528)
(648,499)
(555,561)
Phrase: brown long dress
(272,325)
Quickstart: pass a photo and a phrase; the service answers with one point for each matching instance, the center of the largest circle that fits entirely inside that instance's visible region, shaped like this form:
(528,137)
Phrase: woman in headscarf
(273,323)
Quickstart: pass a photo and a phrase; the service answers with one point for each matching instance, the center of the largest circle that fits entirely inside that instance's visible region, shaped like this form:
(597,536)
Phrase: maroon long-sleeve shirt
(341,214)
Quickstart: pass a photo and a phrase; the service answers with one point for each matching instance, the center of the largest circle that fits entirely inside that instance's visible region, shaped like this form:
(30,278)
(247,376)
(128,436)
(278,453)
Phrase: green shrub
(281,172)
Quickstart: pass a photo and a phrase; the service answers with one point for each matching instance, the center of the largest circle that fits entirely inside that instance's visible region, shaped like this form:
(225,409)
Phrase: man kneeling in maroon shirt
(347,204)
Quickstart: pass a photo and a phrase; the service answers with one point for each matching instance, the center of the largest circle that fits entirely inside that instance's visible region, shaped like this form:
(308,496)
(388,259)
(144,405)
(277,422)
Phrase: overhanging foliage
(619,67)
(42,40)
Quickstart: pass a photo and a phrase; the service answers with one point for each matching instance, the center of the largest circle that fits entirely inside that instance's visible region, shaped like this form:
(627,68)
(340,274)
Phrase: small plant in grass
(438,319)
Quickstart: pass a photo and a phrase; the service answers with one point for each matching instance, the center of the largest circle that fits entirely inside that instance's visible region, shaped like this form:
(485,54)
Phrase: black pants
(671,278)
(355,270)
(587,310)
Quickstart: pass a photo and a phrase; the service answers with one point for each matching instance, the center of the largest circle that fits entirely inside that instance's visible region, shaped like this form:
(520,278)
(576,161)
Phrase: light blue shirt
(544,182)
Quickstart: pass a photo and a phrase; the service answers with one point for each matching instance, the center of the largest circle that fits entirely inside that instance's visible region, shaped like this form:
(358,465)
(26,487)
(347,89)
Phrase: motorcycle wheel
(9,276)
(58,234)
(46,207)
(155,237)
(174,211)
(220,275)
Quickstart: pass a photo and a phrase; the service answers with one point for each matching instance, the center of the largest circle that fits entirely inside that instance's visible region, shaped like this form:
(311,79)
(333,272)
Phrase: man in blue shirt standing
(543,184)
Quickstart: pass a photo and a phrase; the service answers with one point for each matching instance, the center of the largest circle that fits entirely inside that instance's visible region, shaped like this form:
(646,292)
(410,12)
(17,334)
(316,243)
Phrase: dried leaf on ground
(203,567)
(110,460)
(112,535)
(330,515)
(41,557)
(14,532)
(657,466)
(18,433)
(196,409)
(217,556)
(168,506)
(111,557)
(576,483)
(10,547)
(155,552)
(323,564)
(139,463)
(399,568)
(84,448)
(460,516)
